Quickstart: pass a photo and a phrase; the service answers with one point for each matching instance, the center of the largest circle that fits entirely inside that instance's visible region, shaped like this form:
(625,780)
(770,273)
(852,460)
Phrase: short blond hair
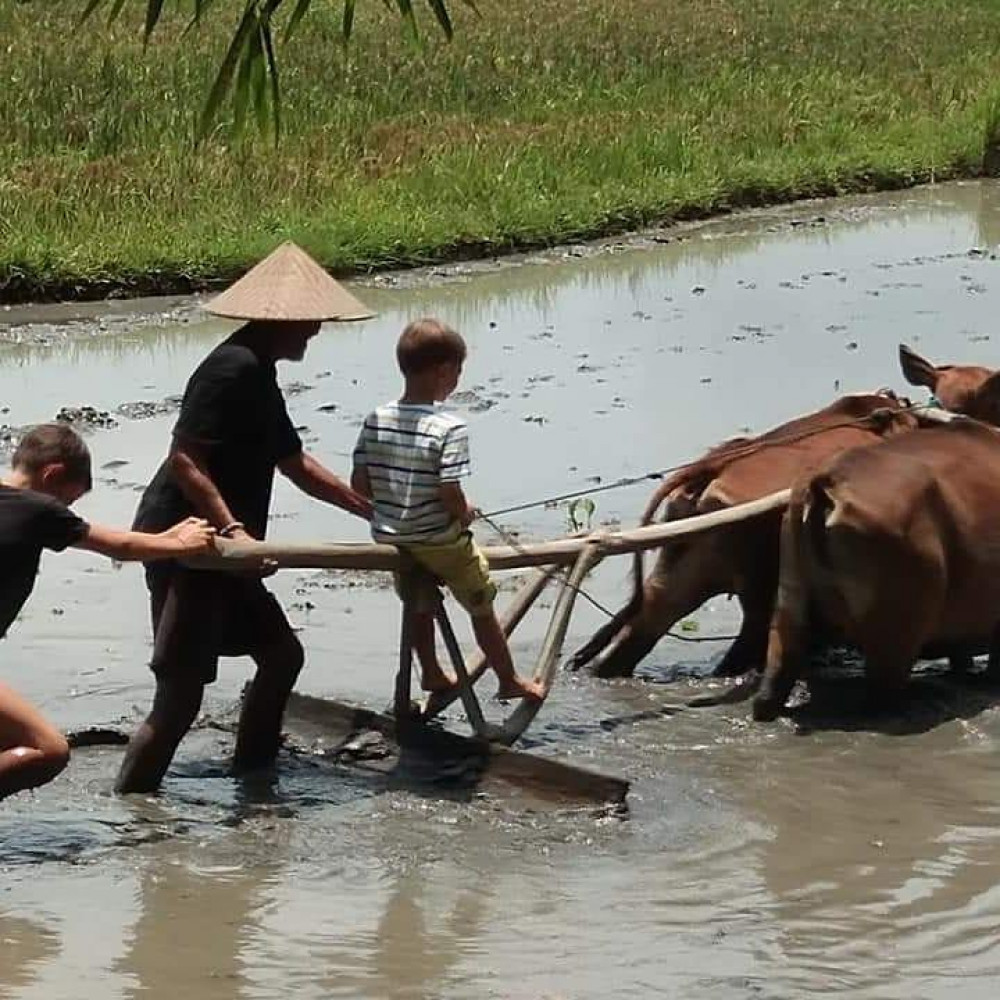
(428,342)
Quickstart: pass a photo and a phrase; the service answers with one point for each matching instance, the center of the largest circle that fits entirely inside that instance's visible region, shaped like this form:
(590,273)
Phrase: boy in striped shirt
(410,459)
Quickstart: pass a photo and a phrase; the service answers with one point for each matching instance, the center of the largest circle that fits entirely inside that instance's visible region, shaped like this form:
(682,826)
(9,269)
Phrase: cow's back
(780,457)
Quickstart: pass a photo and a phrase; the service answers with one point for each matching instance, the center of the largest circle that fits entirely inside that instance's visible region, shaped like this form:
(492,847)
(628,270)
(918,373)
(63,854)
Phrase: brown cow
(895,550)
(969,389)
(741,559)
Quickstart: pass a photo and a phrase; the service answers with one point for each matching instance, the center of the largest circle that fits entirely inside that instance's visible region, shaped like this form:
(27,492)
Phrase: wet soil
(835,851)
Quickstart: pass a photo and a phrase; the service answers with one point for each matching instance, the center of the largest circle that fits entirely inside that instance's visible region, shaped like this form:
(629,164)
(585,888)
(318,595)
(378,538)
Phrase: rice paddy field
(542,121)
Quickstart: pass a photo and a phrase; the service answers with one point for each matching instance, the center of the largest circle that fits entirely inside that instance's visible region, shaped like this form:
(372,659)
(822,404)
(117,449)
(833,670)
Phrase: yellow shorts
(458,564)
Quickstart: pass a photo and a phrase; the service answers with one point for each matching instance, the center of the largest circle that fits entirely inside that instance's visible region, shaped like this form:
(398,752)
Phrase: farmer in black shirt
(49,471)
(232,433)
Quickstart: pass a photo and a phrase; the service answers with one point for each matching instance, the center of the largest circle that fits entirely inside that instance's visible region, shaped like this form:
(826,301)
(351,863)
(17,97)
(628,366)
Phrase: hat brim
(288,286)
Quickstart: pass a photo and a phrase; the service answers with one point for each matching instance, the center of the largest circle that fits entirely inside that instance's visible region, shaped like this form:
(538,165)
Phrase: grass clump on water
(543,121)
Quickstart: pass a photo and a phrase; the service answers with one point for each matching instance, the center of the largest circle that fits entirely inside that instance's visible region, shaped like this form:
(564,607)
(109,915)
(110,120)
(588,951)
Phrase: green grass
(545,120)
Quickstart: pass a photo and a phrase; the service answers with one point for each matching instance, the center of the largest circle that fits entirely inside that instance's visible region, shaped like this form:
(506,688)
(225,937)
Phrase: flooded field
(833,853)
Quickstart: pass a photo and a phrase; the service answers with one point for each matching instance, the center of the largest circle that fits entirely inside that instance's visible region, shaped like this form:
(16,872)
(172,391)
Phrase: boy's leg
(413,585)
(493,643)
(465,569)
(432,677)
(32,751)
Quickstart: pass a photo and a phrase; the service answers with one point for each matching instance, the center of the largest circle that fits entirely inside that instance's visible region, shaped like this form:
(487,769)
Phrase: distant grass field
(545,120)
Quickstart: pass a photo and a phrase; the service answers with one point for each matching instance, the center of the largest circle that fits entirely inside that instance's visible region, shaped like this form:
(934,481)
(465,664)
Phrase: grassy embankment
(545,120)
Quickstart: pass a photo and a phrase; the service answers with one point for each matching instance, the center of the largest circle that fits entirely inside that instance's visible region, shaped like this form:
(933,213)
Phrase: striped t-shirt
(408,450)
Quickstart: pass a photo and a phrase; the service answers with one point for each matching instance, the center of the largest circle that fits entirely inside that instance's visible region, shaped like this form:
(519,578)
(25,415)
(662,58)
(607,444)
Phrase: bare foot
(518,687)
(440,683)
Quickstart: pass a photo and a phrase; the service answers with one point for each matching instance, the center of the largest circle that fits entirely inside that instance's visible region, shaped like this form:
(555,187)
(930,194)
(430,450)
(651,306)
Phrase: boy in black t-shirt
(50,470)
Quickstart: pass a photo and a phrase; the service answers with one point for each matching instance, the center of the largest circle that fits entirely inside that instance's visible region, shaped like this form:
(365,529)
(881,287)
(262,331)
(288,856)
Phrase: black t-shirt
(29,522)
(234,410)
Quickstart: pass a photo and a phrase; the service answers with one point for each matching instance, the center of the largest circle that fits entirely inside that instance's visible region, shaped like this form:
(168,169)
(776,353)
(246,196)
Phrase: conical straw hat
(288,285)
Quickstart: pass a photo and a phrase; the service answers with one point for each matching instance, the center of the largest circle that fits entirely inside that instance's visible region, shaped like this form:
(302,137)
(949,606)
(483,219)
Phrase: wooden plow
(566,561)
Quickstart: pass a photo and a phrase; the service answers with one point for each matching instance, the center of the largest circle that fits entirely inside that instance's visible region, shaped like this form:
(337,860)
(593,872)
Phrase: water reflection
(24,946)
(881,860)
(533,283)
(988,215)
(417,945)
(196,915)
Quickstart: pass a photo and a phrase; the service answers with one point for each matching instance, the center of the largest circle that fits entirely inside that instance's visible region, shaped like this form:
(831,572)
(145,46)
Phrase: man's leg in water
(153,745)
(32,751)
(258,738)
(188,611)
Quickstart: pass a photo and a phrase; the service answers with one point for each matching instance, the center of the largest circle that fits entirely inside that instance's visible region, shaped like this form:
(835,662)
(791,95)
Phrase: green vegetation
(544,120)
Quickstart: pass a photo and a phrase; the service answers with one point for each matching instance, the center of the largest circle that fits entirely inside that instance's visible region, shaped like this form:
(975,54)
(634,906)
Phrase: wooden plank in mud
(544,776)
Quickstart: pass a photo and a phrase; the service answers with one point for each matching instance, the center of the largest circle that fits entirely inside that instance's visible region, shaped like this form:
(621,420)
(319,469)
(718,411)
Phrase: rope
(733,454)
(514,544)
(575,494)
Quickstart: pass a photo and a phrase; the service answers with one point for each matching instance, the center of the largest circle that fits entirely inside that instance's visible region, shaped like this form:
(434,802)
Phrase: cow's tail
(789,628)
(812,509)
(649,515)
(804,543)
(807,559)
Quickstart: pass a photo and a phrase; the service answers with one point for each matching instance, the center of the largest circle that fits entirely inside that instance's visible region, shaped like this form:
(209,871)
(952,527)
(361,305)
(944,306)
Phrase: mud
(834,852)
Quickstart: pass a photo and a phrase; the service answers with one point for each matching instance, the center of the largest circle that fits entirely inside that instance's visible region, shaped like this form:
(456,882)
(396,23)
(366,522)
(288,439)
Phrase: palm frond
(154,8)
(297,14)
(348,18)
(249,70)
(443,17)
(224,78)
(88,11)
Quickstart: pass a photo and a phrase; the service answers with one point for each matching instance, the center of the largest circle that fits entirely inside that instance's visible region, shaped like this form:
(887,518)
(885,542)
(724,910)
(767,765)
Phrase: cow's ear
(917,370)
(985,402)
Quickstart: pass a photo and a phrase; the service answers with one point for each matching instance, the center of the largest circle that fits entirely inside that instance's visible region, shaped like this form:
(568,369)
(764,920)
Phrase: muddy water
(834,853)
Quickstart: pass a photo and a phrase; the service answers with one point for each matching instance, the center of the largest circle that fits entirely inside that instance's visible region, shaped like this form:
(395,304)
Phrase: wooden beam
(522,716)
(547,776)
(564,552)
(402,695)
(511,618)
(473,710)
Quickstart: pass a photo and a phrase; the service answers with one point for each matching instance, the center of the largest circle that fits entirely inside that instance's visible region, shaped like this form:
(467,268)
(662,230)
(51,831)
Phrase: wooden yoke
(562,552)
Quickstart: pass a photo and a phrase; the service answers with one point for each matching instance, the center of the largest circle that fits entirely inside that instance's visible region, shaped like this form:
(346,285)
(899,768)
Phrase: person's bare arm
(189,467)
(191,537)
(318,481)
(453,500)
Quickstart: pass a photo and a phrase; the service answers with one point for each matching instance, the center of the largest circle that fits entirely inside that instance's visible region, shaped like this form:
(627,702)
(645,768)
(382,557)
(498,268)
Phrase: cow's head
(968,389)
